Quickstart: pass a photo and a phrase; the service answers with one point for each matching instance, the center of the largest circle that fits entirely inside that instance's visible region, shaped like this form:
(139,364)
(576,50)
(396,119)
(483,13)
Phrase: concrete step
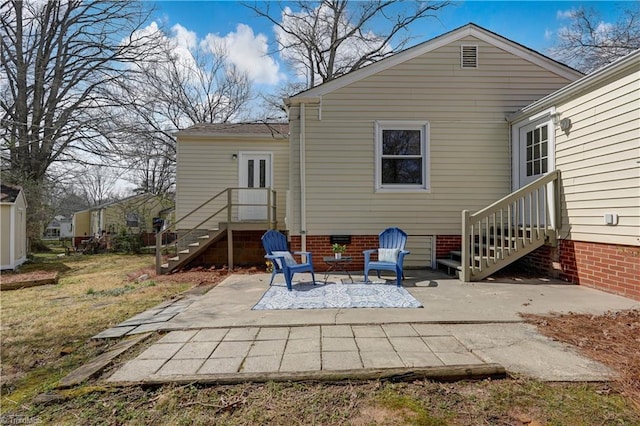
(450,263)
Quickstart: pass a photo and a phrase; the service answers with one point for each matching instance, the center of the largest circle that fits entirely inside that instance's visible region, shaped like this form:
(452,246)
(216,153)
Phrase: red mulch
(612,339)
(14,281)
(200,276)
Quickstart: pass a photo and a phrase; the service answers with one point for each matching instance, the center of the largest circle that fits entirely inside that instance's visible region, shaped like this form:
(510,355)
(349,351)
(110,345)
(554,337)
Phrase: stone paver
(175,367)
(136,370)
(420,359)
(381,360)
(341,360)
(409,344)
(338,344)
(192,350)
(444,344)
(261,364)
(301,346)
(178,336)
(337,331)
(399,330)
(368,331)
(267,347)
(248,333)
(210,335)
(311,332)
(232,349)
(275,333)
(293,362)
(221,365)
(369,344)
(161,351)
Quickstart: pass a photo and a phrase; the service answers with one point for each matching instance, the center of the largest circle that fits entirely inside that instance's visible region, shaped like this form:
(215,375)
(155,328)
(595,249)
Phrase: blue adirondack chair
(275,244)
(391,254)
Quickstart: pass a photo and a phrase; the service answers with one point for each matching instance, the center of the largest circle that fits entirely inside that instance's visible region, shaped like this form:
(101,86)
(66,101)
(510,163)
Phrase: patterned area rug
(336,296)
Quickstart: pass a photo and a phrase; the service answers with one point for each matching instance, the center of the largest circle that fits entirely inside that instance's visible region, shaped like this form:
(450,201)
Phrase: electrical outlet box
(611,219)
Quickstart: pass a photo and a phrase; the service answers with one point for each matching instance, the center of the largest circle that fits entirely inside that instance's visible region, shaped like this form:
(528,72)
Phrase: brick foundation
(608,267)
(544,260)
(320,246)
(247,251)
(447,243)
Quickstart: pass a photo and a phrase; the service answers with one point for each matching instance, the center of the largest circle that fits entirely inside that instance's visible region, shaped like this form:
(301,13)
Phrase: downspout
(303,181)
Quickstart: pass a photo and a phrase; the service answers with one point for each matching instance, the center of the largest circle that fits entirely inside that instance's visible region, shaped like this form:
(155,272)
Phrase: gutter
(303,180)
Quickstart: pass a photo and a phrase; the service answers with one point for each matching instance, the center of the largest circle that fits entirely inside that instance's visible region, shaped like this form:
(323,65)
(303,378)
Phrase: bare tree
(589,43)
(324,40)
(182,87)
(97,185)
(57,58)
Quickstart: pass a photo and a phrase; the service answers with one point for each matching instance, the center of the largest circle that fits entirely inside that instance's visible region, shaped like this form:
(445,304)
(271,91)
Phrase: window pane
(398,171)
(250,174)
(263,173)
(544,133)
(401,142)
(544,165)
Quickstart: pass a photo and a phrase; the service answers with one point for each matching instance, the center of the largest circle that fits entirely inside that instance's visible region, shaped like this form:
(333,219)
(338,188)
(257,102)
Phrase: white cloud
(248,52)
(183,37)
(548,34)
(565,14)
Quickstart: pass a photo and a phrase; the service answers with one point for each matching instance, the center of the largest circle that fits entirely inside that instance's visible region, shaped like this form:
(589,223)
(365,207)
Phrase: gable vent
(469,56)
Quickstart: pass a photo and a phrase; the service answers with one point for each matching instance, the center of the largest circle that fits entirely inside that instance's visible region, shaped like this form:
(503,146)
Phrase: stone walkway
(234,351)
(468,329)
(153,319)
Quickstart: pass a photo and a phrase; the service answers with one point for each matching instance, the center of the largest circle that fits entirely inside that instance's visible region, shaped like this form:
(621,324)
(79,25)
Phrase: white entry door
(536,158)
(255,172)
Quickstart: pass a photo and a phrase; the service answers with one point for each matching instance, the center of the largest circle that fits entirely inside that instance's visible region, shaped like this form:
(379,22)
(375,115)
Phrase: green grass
(46,334)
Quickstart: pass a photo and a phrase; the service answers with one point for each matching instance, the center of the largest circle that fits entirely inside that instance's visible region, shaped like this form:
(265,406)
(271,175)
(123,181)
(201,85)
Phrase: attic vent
(469,56)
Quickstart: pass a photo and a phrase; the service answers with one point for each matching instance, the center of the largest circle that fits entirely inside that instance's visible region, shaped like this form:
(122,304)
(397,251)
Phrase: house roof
(8,193)
(145,195)
(622,65)
(237,129)
(313,94)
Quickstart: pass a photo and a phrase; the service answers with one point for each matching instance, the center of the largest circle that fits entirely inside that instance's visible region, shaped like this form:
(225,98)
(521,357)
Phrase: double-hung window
(402,156)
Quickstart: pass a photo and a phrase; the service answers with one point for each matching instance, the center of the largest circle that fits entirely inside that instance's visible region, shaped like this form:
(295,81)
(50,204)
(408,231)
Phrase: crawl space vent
(469,56)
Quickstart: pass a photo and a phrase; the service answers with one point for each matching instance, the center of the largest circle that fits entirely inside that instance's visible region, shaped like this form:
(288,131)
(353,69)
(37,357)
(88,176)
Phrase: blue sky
(534,24)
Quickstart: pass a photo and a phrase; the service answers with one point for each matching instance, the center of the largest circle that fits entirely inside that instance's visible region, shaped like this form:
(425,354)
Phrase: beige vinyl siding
(20,229)
(82,224)
(420,248)
(469,155)
(5,242)
(599,158)
(205,167)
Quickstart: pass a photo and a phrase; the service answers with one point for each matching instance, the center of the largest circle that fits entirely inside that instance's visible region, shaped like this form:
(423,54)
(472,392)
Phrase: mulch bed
(28,279)
(612,339)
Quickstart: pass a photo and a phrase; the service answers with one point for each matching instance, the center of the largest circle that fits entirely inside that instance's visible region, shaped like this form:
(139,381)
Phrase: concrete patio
(464,330)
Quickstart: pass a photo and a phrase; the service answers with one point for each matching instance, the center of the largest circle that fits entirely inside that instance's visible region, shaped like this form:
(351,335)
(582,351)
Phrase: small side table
(337,265)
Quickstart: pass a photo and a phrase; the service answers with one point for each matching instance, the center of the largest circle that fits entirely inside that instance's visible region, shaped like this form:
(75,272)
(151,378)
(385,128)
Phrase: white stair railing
(509,228)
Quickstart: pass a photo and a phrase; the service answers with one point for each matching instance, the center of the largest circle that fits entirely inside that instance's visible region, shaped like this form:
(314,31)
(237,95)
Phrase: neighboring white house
(13,227)
(60,227)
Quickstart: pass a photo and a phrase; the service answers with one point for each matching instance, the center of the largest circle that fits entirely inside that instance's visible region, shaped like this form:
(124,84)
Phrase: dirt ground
(612,339)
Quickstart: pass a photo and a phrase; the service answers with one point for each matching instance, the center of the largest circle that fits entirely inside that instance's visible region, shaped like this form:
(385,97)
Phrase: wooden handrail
(493,227)
(228,206)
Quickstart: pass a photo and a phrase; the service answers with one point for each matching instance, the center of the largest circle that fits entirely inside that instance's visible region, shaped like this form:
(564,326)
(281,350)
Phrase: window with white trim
(401,155)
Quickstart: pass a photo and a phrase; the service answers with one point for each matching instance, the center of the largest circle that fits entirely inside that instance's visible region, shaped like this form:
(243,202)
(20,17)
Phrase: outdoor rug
(336,296)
